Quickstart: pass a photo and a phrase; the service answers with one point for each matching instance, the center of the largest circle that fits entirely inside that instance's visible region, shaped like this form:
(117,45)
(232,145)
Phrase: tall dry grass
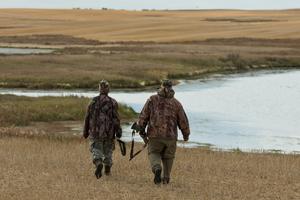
(116,25)
(42,168)
(138,66)
(21,111)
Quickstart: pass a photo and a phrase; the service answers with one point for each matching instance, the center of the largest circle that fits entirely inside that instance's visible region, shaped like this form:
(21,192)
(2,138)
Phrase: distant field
(141,65)
(151,25)
(45,168)
(136,49)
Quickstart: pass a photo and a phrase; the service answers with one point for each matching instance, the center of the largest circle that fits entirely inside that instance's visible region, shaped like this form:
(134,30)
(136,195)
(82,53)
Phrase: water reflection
(249,111)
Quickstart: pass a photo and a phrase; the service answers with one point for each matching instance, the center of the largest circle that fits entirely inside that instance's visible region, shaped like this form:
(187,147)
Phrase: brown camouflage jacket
(102,119)
(162,114)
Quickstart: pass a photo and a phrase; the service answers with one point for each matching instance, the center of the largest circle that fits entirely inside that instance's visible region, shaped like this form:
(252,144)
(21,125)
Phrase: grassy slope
(151,25)
(53,169)
(20,111)
(138,65)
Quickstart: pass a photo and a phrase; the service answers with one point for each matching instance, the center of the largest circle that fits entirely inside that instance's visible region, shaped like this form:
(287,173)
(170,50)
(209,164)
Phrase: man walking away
(101,125)
(162,114)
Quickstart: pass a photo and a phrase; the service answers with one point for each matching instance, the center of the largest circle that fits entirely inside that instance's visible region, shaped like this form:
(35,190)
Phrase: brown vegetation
(138,49)
(111,25)
(137,65)
(43,161)
(47,40)
(240,20)
(49,168)
(21,111)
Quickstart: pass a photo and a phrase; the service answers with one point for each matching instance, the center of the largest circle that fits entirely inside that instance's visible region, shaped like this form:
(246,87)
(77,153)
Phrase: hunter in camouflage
(162,114)
(102,125)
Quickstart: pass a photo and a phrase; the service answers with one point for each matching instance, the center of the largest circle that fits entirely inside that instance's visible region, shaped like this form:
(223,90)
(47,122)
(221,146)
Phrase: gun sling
(132,154)
(122,146)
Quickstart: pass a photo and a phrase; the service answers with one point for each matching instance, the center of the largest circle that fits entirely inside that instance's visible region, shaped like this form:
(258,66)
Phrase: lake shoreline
(195,76)
(217,118)
(33,133)
(139,65)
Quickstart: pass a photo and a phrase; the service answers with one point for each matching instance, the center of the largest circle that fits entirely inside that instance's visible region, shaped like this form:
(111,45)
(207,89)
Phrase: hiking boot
(166,180)
(157,176)
(98,172)
(107,170)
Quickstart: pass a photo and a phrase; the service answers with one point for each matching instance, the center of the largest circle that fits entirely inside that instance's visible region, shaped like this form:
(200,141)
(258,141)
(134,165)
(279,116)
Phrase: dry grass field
(139,65)
(135,49)
(156,26)
(45,168)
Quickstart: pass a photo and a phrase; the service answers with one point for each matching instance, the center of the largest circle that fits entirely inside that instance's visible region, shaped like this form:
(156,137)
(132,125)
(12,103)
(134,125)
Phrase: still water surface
(9,51)
(258,111)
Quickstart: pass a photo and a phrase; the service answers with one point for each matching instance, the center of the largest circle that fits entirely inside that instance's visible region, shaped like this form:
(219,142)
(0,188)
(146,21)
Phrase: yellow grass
(151,25)
(40,168)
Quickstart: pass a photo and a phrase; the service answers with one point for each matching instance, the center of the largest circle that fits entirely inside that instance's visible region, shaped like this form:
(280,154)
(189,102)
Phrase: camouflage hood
(166,92)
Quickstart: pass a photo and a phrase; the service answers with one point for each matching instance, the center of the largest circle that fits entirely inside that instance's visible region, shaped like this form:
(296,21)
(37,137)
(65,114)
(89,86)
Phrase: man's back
(102,119)
(162,114)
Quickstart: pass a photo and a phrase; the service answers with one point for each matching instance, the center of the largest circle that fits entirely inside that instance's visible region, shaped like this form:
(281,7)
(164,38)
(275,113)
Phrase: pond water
(252,111)
(10,51)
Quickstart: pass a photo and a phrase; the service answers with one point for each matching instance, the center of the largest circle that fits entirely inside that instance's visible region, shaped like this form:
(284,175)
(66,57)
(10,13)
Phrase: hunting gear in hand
(141,132)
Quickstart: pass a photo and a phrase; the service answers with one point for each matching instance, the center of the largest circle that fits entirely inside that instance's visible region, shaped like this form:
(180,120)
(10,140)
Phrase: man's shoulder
(154,97)
(176,102)
(112,101)
(94,99)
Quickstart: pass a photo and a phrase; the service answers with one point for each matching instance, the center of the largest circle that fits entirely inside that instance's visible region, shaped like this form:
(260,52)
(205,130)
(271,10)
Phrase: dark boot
(167,166)
(107,170)
(166,180)
(98,172)
(157,176)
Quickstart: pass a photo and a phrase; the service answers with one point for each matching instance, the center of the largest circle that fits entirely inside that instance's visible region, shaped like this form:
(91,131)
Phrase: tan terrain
(136,49)
(114,25)
(40,168)
(41,158)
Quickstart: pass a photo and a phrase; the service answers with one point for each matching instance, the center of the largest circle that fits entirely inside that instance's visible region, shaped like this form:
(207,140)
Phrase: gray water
(10,51)
(258,111)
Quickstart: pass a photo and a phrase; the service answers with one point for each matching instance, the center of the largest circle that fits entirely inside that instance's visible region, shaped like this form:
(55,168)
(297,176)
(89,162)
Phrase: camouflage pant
(162,150)
(102,151)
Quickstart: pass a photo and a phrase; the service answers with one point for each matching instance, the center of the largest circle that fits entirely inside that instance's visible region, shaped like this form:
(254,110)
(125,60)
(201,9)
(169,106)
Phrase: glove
(119,133)
(144,136)
(186,138)
(85,135)
(136,127)
(145,139)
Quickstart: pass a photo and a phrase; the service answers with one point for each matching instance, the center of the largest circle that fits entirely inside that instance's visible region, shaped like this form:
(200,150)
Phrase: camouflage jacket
(102,119)
(162,114)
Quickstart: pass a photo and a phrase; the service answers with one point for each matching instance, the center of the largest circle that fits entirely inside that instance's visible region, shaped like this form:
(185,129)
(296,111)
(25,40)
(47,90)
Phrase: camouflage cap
(166,83)
(104,87)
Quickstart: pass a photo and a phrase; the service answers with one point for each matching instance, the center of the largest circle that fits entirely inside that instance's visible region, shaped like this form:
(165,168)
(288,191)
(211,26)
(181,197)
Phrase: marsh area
(249,111)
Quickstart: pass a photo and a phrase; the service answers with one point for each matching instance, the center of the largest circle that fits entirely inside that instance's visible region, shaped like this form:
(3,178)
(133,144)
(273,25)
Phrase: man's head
(104,87)
(166,89)
(166,83)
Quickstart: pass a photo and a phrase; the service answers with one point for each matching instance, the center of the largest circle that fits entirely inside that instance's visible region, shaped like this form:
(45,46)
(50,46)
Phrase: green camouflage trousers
(162,150)
(102,151)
